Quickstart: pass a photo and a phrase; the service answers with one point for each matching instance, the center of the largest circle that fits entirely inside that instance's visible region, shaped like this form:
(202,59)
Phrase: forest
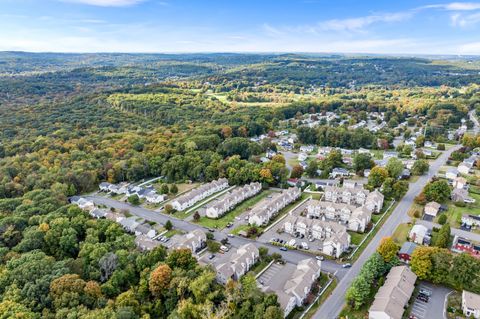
(70,121)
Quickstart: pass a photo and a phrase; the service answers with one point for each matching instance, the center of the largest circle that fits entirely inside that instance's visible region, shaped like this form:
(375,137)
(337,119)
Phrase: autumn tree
(377,176)
(387,249)
(159,280)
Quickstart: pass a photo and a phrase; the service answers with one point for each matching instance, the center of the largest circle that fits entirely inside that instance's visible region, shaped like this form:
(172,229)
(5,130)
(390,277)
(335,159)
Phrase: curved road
(332,306)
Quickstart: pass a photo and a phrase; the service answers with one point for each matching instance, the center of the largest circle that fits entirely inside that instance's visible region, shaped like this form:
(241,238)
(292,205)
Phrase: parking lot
(218,258)
(434,307)
(275,277)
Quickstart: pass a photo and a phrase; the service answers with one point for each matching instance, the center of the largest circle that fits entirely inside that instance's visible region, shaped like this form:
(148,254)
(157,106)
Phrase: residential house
(129,224)
(221,206)
(240,262)
(267,208)
(451,173)
(366,172)
(465,168)
(470,221)
(427,153)
(461,195)
(145,243)
(460,183)
(471,304)
(406,251)
(104,186)
(194,196)
(432,209)
(302,157)
(389,154)
(82,203)
(98,213)
(339,172)
(419,234)
(464,245)
(194,240)
(393,296)
(146,230)
(306,148)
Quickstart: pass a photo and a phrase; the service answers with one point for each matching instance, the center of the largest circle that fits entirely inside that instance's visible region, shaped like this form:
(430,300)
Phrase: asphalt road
(332,306)
(292,256)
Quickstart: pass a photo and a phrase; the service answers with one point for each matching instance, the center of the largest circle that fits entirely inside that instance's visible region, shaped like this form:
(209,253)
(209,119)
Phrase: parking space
(429,302)
(269,273)
(207,258)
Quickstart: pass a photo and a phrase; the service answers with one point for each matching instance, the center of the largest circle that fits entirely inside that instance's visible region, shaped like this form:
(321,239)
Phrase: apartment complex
(194,196)
(221,206)
(270,206)
(194,240)
(334,237)
(240,262)
(352,193)
(394,295)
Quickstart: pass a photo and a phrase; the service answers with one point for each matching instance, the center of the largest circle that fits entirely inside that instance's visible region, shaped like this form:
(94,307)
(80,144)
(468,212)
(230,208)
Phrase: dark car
(283,249)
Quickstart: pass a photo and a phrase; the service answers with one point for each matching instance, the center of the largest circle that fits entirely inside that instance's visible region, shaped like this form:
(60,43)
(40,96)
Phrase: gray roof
(408,248)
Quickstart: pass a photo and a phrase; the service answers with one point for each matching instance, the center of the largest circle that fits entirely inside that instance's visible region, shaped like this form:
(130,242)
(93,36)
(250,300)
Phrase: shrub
(442,219)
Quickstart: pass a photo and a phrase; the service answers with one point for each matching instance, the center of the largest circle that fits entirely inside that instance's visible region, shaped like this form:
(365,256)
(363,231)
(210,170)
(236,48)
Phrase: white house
(471,304)
(238,265)
(270,206)
(194,196)
(228,201)
(451,173)
(460,183)
(194,240)
(465,168)
(418,234)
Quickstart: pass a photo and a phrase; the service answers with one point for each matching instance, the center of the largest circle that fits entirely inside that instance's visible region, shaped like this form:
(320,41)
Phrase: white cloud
(459,20)
(456,6)
(358,24)
(107,3)
(469,48)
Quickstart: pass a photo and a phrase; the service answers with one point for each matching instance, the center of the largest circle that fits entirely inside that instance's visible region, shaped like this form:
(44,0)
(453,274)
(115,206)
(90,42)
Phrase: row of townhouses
(238,265)
(355,218)
(221,206)
(298,286)
(392,298)
(270,206)
(194,196)
(147,193)
(194,240)
(354,194)
(334,237)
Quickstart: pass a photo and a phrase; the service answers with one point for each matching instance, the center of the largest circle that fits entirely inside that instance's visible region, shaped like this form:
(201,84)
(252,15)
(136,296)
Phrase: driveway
(332,306)
(435,307)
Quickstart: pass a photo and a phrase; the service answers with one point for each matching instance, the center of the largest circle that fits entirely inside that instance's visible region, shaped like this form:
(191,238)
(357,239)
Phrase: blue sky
(390,27)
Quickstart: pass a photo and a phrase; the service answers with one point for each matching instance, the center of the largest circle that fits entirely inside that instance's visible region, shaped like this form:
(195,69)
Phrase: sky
(323,26)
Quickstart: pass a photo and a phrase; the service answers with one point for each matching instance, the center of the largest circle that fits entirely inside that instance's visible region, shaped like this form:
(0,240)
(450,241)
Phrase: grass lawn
(356,238)
(415,208)
(401,233)
(182,187)
(172,232)
(240,228)
(454,213)
(222,222)
(377,154)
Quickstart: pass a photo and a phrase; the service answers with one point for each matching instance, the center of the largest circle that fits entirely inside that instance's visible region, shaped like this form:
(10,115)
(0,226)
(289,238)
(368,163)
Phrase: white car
(305,245)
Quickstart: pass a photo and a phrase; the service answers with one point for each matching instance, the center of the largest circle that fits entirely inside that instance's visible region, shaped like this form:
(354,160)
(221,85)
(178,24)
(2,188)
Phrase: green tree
(421,262)
(377,176)
(420,167)
(388,249)
(134,199)
(173,189)
(442,238)
(164,189)
(394,167)
(168,225)
(362,161)
(437,191)
(312,169)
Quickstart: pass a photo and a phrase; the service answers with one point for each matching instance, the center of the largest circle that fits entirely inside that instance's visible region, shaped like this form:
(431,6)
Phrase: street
(333,305)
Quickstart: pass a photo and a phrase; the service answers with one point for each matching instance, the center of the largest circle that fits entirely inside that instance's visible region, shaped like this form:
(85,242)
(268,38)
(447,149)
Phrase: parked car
(425,292)
(231,235)
(283,248)
(211,256)
(319,258)
(347,265)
